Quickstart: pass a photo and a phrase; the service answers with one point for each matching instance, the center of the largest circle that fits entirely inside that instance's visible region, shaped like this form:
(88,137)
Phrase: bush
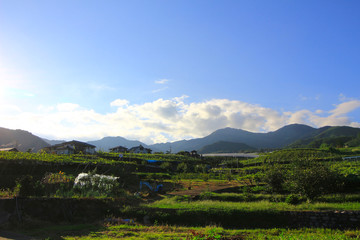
(201,168)
(53,182)
(274,177)
(183,167)
(183,198)
(25,186)
(166,166)
(206,196)
(293,199)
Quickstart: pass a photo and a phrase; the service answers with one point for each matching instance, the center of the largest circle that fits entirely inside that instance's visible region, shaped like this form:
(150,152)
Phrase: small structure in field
(72,147)
(118,149)
(8,150)
(140,149)
(351,158)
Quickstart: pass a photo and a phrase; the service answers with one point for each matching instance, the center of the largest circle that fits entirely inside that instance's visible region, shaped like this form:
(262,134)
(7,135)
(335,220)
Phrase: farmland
(268,197)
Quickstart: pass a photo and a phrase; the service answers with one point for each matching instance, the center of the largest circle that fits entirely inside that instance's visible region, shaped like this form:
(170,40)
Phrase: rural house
(118,149)
(72,147)
(140,149)
(8,149)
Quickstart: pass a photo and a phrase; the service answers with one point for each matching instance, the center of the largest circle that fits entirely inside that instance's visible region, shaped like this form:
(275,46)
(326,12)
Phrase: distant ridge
(109,142)
(21,139)
(277,139)
(281,138)
(332,136)
(222,140)
(53,142)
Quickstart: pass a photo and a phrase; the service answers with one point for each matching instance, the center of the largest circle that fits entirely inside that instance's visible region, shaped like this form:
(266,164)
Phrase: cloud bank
(165,120)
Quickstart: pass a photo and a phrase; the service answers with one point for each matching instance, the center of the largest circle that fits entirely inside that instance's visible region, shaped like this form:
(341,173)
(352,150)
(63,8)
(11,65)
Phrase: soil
(196,188)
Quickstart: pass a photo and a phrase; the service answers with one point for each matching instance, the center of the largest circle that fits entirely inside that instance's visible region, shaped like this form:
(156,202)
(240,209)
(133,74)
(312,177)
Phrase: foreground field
(286,194)
(124,231)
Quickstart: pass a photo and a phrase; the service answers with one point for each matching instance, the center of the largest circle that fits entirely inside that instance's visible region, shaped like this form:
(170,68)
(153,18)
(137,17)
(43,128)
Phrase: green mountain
(277,139)
(338,136)
(226,147)
(222,140)
(293,136)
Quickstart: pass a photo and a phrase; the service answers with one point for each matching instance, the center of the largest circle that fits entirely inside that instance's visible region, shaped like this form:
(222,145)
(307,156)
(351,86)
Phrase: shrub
(293,199)
(52,182)
(25,186)
(274,177)
(183,198)
(182,167)
(166,166)
(206,196)
(205,177)
(201,168)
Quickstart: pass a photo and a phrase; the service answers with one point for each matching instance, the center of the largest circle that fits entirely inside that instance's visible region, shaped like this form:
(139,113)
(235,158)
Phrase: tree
(166,166)
(183,167)
(274,176)
(311,179)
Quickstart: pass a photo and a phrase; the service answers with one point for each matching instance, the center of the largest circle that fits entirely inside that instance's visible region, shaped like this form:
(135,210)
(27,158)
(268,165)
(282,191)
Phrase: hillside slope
(333,136)
(225,147)
(21,139)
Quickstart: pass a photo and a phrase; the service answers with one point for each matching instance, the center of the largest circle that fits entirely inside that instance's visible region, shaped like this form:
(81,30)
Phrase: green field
(200,198)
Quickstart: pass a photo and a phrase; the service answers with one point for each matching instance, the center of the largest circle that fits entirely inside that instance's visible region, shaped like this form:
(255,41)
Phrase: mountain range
(222,140)
(109,142)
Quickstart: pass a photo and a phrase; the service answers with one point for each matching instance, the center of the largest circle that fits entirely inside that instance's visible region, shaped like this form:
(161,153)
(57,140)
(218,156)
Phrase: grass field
(264,205)
(123,231)
(202,198)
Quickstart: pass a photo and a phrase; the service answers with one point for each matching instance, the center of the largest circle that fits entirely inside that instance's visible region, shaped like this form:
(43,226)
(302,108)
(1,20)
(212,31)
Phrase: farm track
(198,188)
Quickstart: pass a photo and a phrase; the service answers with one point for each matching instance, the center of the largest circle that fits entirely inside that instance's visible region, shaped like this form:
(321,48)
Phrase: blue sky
(168,70)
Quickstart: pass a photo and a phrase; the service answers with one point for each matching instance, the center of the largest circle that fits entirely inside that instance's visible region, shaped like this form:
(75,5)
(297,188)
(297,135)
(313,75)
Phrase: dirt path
(196,188)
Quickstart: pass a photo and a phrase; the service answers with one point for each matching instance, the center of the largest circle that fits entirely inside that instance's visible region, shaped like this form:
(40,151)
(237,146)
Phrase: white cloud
(162,81)
(336,117)
(165,119)
(345,107)
(160,89)
(119,103)
(307,98)
(9,109)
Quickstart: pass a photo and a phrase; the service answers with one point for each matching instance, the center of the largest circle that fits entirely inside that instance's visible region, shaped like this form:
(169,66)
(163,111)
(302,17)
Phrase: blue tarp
(153,161)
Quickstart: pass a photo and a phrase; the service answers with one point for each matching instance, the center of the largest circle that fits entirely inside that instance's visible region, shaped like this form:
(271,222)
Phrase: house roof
(8,149)
(137,147)
(64,148)
(74,142)
(121,147)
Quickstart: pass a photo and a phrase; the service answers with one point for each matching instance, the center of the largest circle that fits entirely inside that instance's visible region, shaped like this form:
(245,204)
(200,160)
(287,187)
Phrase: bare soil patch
(195,188)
